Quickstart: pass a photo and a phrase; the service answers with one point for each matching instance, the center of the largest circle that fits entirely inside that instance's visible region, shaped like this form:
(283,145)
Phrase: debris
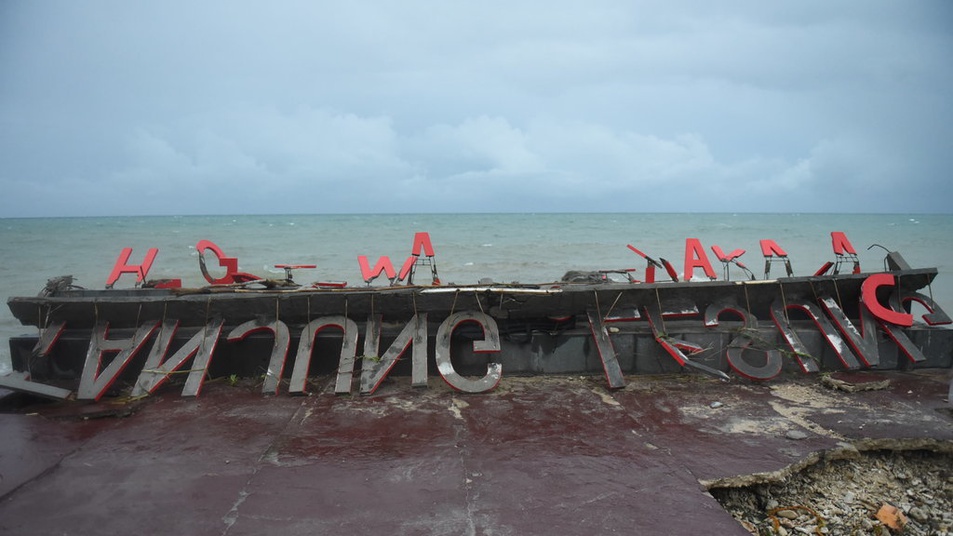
(796,435)
(891,516)
(847,493)
(19,381)
(919,514)
(715,405)
(856,382)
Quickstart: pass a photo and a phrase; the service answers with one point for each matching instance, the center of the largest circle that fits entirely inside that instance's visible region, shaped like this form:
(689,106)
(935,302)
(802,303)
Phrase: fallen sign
(20,382)
(754,328)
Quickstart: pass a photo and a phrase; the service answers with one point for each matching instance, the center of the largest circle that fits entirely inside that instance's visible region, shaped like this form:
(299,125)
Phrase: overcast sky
(130,108)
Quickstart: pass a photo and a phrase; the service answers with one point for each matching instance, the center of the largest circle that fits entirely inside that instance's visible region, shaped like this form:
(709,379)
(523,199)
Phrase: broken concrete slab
(540,455)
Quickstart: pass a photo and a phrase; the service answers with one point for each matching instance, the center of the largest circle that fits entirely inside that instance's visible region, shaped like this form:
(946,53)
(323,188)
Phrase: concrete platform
(540,455)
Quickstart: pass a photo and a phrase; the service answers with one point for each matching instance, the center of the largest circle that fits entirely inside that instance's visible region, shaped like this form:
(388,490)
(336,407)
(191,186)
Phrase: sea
(525,248)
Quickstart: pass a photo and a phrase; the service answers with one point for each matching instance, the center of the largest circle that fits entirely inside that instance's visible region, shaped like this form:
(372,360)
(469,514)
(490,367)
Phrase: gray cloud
(224,107)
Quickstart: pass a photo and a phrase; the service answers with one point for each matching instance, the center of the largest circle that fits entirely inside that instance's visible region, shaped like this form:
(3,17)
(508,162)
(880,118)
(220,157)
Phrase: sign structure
(159,333)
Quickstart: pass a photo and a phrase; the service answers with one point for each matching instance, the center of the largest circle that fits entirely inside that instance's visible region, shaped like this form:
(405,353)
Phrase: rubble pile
(876,493)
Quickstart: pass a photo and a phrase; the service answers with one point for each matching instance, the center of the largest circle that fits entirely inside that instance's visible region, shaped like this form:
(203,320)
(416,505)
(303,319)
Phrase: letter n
(422,244)
(864,340)
(279,351)
(834,340)
(375,367)
(299,376)
(158,369)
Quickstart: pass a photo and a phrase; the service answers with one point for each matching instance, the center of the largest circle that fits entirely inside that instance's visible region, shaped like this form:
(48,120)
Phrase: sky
(239,107)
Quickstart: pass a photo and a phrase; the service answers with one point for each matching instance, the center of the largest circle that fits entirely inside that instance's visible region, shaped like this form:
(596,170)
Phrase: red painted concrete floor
(542,455)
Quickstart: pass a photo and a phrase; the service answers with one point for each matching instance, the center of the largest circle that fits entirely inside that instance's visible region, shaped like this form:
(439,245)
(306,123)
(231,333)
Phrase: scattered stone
(715,405)
(842,496)
(919,514)
(796,435)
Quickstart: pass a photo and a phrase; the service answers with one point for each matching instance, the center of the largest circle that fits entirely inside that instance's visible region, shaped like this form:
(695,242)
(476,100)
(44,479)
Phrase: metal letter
(738,345)
(610,363)
(279,352)
(823,325)
(92,384)
(158,369)
(375,367)
(299,376)
(48,337)
(863,341)
(936,316)
(671,345)
(490,343)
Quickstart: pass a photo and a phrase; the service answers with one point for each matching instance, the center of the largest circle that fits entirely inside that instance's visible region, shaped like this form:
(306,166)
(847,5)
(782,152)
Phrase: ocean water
(529,248)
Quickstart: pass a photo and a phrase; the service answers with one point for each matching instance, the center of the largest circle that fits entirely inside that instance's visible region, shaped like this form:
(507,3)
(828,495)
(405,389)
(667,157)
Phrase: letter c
(868,294)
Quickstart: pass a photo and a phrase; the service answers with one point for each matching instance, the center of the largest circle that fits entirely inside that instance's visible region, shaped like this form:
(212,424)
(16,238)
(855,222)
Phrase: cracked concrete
(540,455)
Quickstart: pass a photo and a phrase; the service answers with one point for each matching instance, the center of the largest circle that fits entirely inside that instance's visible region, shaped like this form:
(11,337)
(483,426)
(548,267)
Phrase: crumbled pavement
(539,455)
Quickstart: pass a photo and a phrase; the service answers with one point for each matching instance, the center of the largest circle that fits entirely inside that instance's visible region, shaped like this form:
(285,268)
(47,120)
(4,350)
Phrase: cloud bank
(234,107)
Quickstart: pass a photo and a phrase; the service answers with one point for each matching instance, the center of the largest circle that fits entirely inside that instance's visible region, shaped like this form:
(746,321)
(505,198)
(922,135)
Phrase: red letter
(383,265)
(841,244)
(695,257)
(723,257)
(122,266)
(770,248)
(868,293)
(422,242)
(232,275)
